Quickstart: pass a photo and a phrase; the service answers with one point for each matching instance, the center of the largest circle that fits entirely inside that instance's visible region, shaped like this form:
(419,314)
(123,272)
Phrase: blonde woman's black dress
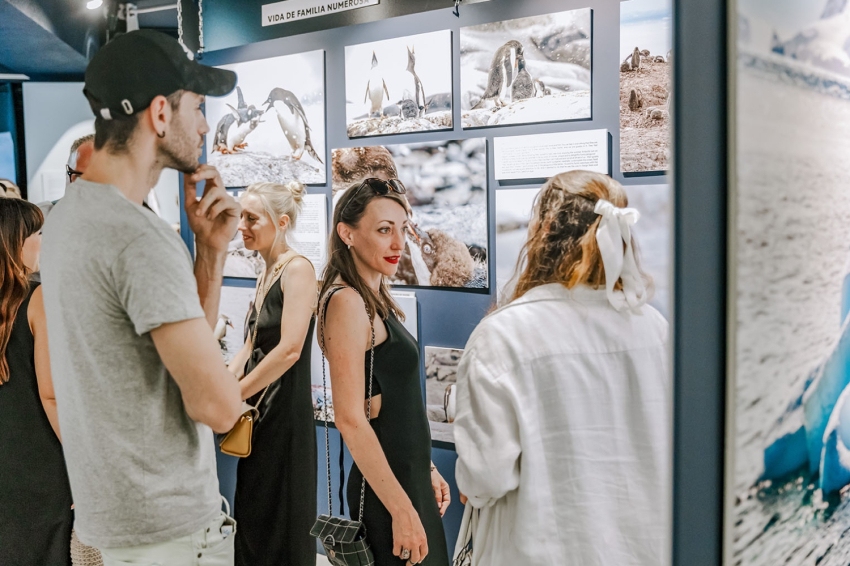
(275,502)
(35,496)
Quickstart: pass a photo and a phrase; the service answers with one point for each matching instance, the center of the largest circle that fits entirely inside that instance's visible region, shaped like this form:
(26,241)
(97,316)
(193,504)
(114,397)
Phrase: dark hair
(561,246)
(19,220)
(116,134)
(350,210)
(80,141)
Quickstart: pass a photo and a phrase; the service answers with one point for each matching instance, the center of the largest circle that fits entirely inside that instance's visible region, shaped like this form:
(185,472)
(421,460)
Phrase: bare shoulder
(347,304)
(35,309)
(299,268)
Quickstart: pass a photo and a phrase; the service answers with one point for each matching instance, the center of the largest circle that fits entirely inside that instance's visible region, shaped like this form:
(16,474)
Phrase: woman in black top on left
(35,497)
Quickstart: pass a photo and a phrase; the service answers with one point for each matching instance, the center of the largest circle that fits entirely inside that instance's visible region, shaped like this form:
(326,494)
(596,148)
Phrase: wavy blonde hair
(279,200)
(561,246)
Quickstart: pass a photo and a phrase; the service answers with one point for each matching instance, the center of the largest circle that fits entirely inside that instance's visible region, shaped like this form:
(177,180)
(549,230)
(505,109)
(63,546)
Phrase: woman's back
(571,435)
(35,497)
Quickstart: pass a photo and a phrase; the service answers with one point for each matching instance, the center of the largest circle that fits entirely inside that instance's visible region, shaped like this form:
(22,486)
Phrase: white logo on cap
(189,54)
(107,115)
(128,108)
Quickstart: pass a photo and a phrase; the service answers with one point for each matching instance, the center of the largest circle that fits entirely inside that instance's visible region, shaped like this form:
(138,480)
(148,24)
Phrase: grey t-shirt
(141,470)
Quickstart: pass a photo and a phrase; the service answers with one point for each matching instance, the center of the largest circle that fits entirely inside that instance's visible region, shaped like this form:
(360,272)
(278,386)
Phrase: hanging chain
(180,21)
(200,28)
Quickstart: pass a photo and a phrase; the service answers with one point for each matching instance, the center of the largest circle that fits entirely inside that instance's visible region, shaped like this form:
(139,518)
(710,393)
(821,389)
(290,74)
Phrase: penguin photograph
(272,126)
(399,85)
(446,182)
(527,70)
(236,303)
(653,202)
(441,366)
(645,81)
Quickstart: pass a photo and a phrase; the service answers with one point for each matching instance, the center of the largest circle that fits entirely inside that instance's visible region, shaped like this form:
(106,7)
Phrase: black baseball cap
(130,71)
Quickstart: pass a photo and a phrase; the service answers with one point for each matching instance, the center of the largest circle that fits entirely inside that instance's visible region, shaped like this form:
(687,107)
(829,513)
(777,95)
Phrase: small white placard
(540,156)
(294,10)
(310,236)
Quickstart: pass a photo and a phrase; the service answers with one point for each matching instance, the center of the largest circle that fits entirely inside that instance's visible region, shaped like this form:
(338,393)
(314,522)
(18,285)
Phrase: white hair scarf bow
(614,236)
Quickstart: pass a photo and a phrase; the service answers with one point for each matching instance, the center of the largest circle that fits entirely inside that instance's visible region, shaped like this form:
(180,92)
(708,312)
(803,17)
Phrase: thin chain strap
(325,407)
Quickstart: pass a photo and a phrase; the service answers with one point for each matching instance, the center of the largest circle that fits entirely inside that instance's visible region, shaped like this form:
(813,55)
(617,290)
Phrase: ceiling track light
(94,4)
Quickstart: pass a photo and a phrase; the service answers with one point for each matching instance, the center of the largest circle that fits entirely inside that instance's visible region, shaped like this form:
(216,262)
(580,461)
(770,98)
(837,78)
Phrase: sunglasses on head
(380,187)
(72,173)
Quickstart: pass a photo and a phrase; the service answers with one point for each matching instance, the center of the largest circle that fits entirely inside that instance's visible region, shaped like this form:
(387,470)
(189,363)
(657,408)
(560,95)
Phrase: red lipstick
(393,259)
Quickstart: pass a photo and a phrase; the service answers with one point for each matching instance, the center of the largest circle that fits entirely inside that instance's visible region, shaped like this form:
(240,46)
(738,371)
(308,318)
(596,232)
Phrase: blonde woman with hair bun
(563,426)
(275,503)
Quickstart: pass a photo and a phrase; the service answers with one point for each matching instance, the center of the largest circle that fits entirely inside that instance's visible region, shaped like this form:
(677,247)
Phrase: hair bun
(297,190)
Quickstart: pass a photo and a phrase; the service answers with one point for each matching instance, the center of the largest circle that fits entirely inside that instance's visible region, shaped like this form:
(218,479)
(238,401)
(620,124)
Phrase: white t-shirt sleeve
(155,283)
(487,432)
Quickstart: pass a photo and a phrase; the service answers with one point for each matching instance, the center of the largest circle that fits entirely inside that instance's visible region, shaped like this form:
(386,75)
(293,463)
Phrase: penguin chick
(293,122)
(523,87)
(233,128)
(499,77)
(351,165)
(408,109)
(449,260)
(376,88)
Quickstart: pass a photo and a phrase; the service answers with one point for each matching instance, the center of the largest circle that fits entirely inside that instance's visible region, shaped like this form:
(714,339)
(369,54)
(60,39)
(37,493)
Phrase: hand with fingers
(409,539)
(441,490)
(215,216)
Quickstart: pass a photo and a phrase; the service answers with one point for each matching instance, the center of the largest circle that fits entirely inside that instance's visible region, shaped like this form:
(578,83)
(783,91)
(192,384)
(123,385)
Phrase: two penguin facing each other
(234,127)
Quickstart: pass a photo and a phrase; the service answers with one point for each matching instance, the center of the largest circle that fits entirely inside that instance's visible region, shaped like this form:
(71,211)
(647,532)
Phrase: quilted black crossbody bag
(344,540)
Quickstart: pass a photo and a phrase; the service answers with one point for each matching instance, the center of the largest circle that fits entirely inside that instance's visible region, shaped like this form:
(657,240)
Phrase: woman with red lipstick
(387,434)
(275,503)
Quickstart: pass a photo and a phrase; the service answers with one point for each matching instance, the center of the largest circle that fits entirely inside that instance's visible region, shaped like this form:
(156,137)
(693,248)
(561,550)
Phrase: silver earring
(349,246)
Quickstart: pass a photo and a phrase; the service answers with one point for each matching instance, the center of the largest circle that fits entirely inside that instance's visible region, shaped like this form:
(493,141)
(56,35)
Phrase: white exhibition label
(540,156)
(294,10)
(310,235)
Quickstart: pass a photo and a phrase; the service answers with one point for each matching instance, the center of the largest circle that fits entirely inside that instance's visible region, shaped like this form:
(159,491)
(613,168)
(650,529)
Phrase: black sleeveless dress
(275,502)
(35,496)
(403,431)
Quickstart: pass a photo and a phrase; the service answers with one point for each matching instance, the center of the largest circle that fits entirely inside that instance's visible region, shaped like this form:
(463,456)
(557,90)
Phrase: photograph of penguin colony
(399,85)
(447,189)
(527,71)
(645,83)
(271,128)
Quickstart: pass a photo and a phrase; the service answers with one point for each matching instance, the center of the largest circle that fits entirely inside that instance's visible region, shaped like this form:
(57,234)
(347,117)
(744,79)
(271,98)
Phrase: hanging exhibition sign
(294,10)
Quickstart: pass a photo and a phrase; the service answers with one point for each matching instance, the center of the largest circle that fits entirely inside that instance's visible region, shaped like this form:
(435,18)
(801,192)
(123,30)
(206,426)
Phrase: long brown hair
(19,220)
(561,246)
(350,210)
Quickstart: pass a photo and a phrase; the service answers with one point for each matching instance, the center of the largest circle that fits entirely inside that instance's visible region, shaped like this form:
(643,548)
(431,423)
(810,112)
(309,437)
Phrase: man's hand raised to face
(215,217)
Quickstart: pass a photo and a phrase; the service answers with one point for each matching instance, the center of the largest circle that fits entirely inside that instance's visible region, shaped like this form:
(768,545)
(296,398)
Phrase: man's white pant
(210,546)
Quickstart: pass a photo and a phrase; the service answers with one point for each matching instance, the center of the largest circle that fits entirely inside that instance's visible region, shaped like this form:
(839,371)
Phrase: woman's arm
(346,336)
(237,364)
(299,290)
(38,325)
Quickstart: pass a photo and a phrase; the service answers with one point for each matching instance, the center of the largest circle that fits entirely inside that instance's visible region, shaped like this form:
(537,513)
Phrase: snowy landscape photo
(440,390)
(652,234)
(272,126)
(792,341)
(399,85)
(646,41)
(236,303)
(527,70)
(446,186)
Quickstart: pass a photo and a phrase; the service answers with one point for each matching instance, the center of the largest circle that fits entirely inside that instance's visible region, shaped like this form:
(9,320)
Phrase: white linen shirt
(563,432)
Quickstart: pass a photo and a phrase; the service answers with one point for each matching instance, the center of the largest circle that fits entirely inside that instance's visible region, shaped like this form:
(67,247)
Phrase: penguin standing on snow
(500,76)
(233,128)
(376,88)
(417,83)
(293,122)
(523,86)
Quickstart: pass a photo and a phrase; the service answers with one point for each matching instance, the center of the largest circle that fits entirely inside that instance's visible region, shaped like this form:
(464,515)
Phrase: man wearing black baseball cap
(140,381)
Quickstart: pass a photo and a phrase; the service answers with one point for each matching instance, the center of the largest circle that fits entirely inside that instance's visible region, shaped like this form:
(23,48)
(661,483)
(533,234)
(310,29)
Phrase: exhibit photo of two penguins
(399,85)
(270,128)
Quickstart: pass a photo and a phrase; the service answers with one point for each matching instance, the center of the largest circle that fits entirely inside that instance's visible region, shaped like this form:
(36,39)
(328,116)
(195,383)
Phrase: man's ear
(159,113)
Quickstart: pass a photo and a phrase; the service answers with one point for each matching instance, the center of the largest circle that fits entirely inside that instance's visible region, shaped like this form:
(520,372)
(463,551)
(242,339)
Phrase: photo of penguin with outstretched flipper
(447,243)
(386,84)
(272,129)
(554,83)
(293,122)
(233,128)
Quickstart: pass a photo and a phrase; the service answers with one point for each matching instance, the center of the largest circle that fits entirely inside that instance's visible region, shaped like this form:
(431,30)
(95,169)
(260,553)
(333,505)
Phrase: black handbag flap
(333,530)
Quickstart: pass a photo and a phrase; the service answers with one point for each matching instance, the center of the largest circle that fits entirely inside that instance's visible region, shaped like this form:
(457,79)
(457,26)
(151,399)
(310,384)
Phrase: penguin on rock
(293,122)
(233,128)
(523,86)
(500,76)
(376,88)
